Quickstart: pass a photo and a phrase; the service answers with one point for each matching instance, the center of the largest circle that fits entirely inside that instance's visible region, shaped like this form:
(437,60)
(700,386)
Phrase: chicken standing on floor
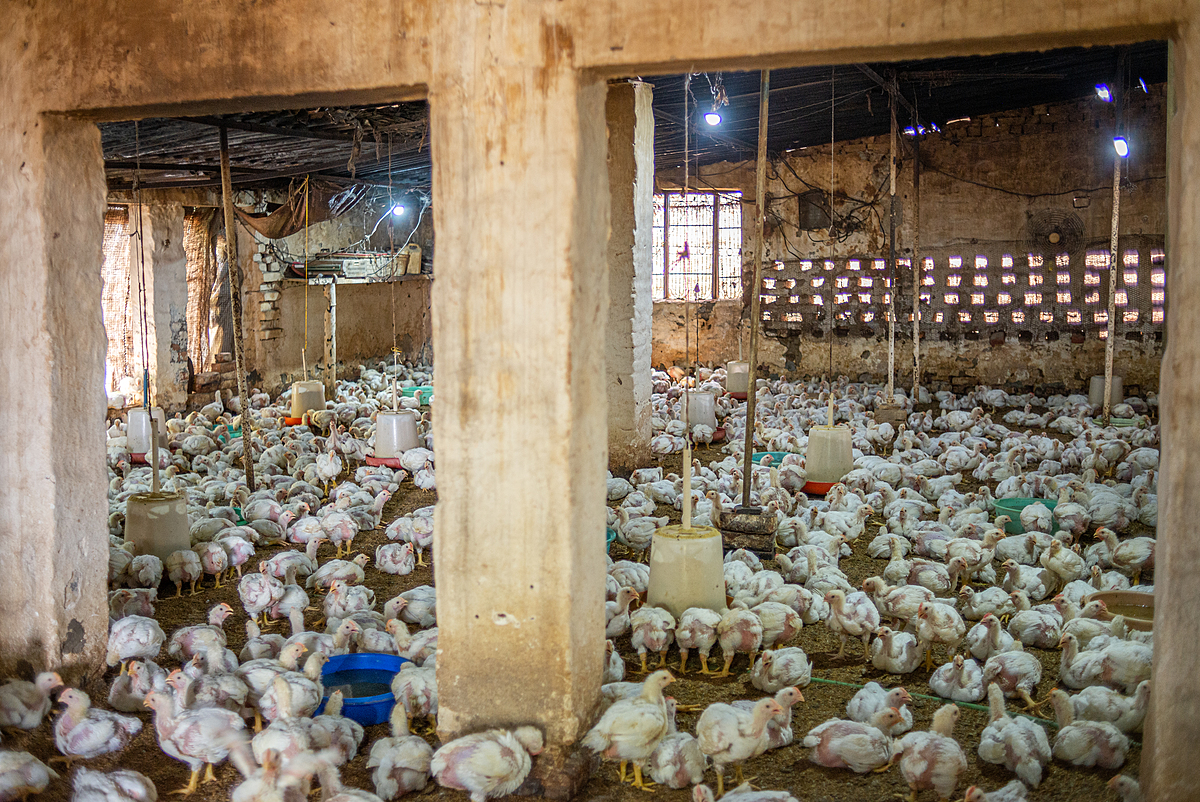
(653,629)
(194,737)
(1018,744)
(631,729)
(728,735)
(487,764)
(933,759)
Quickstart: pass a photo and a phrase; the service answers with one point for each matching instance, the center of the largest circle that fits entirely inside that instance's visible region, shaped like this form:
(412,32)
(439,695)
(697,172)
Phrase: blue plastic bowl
(367,669)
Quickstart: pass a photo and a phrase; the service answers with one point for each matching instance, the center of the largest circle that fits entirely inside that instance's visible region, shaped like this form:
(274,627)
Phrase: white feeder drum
(138,429)
(687,569)
(157,523)
(1096,391)
(829,456)
(702,408)
(395,433)
(307,396)
(737,377)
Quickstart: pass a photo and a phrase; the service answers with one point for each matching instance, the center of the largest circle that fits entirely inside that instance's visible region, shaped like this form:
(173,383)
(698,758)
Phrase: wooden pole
(331,336)
(1114,261)
(917,267)
(235,297)
(891,382)
(760,215)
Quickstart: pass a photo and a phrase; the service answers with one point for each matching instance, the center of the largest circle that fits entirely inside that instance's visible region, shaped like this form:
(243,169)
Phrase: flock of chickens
(949,583)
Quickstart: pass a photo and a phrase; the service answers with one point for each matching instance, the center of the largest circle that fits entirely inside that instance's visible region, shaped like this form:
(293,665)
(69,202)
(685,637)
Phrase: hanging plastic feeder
(157,523)
(395,433)
(687,569)
(306,397)
(828,458)
(737,379)
(138,433)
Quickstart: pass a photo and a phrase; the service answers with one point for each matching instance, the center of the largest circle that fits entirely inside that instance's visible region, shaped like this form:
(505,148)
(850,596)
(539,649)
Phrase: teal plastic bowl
(776,457)
(366,673)
(1012,508)
(422,392)
(610,536)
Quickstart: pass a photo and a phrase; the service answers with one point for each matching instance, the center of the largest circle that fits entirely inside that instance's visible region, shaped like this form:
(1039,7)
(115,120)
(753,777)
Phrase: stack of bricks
(270,323)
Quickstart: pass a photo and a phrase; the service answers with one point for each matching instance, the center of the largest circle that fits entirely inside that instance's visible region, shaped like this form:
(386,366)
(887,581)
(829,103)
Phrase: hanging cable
(304,345)
(832,237)
(392,260)
(137,192)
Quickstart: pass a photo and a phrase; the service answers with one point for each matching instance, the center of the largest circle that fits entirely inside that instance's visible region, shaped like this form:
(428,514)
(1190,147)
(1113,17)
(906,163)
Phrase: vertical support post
(666,246)
(235,299)
(918,266)
(1114,252)
(716,250)
(892,212)
(760,216)
(331,337)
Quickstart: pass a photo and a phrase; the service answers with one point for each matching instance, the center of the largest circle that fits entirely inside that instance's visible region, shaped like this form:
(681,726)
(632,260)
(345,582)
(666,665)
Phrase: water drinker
(422,392)
(702,408)
(828,458)
(138,429)
(1012,508)
(395,433)
(737,378)
(687,569)
(1136,607)
(365,681)
(157,523)
(307,396)
(610,537)
(1096,391)
(776,457)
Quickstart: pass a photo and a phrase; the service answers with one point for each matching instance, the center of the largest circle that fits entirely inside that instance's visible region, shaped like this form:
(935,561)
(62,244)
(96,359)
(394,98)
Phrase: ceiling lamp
(1121,146)
(397,210)
(712,118)
(1104,93)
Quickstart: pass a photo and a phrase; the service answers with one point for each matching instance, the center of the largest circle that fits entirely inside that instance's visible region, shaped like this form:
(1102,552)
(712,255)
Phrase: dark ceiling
(351,145)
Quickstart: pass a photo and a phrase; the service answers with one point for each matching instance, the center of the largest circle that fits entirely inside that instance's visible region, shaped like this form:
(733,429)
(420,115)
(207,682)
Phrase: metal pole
(235,297)
(760,214)
(892,256)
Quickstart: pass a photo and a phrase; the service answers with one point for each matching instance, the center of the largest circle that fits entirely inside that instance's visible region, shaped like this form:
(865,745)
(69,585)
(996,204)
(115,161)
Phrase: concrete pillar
(53,536)
(630,306)
(1173,725)
(166,300)
(521,219)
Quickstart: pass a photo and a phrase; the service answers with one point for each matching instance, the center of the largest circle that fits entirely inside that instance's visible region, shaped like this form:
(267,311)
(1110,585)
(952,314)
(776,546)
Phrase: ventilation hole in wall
(1130,277)
(926,298)
(790,283)
(1033,298)
(853,264)
(939,317)
(953,280)
(887,282)
(806,265)
(927,263)
(1134,336)
(1100,316)
(1074,317)
(864,297)
(1122,298)
(1008,278)
(1035,279)
(793,317)
(793,299)
(1004,298)
(1158,277)
(1158,336)
(1052,336)
(1157,256)
(964,316)
(867,317)
(1034,259)
(980,281)
(950,298)
(1061,260)
(1018,316)
(977,299)
(818,300)
(1006,261)
(767,299)
(1091,279)
(1130,259)
(866,281)
(981,262)
(1046,316)
(1062,297)
(818,281)
(1062,277)
(1025,336)
(769,283)
(827,264)
(973,334)
(779,265)
(1102,334)
(927,281)
(841,298)
(1129,316)
(887,298)
(841,282)
(991,317)
(956,262)
(1096,259)
(878,264)
(1158,297)
(1092,297)
(766,315)
(905,263)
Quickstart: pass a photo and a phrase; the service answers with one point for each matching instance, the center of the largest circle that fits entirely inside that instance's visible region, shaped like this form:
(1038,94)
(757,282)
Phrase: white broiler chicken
(939,623)
(400,763)
(1126,713)
(738,631)
(779,727)
(987,638)
(780,668)
(193,737)
(872,699)
(852,616)
(729,736)
(82,731)
(134,637)
(183,568)
(122,785)
(1016,672)
(696,630)
(487,764)
(24,704)
(631,729)
(652,629)
(1018,744)
(677,761)
(860,747)
(933,759)
(1086,743)
(961,680)
(895,652)
(22,775)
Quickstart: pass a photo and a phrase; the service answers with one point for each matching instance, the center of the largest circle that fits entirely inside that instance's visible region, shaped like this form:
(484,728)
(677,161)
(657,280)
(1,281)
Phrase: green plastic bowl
(776,457)
(422,392)
(1012,508)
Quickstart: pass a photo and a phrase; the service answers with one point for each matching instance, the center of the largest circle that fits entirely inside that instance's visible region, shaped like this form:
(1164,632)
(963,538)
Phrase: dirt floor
(834,682)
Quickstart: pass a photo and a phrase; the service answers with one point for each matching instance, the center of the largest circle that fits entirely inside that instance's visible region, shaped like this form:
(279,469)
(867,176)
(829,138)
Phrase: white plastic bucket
(307,396)
(687,569)
(157,523)
(395,433)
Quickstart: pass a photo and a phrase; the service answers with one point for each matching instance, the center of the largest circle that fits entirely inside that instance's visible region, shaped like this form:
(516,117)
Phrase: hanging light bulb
(398,210)
(1104,93)
(1121,146)
(712,118)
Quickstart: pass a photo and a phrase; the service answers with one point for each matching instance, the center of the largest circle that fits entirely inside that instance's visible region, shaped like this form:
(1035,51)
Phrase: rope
(830,281)
(392,256)
(137,155)
(304,345)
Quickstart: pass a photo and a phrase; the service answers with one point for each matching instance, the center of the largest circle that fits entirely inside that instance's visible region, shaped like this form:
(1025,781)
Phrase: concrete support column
(166,300)
(1173,725)
(53,535)
(521,219)
(630,307)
